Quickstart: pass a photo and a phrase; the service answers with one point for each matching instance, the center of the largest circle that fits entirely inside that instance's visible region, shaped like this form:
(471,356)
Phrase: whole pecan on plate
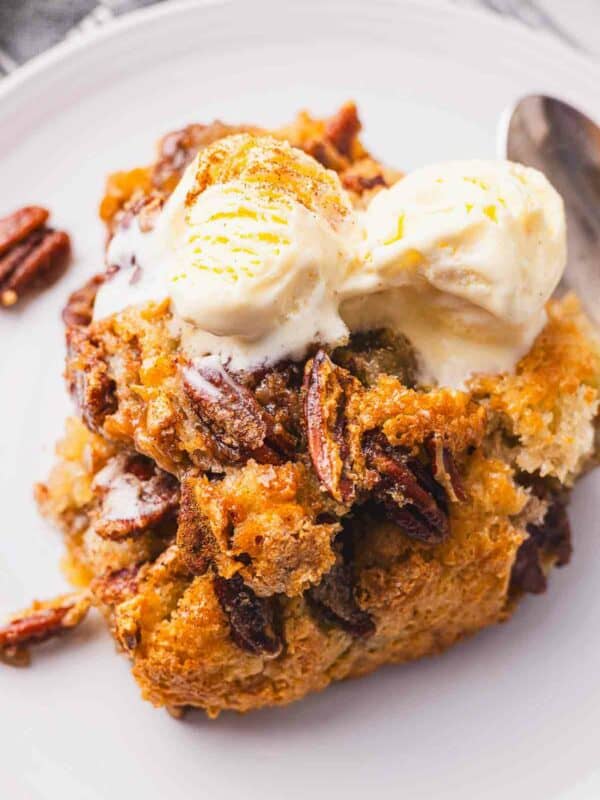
(32,255)
(40,622)
(444,470)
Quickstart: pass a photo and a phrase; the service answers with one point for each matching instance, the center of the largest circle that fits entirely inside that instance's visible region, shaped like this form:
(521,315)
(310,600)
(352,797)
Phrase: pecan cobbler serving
(328,416)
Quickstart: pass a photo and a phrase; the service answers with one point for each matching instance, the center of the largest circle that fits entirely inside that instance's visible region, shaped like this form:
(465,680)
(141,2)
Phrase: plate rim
(149,15)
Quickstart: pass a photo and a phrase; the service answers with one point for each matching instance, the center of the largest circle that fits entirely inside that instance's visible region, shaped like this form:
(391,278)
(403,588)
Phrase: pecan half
(115,586)
(362,183)
(93,390)
(136,495)
(79,309)
(410,496)
(325,388)
(19,224)
(251,618)
(343,128)
(195,537)
(233,415)
(39,623)
(333,600)
(31,254)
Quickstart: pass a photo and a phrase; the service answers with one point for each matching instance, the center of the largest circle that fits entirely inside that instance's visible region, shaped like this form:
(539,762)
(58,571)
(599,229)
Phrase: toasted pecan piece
(333,600)
(555,532)
(343,127)
(31,254)
(362,183)
(195,536)
(115,586)
(40,622)
(325,389)
(527,574)
(251,618)
(136,495)
(410,496)
(93,390)
(233,415)
(79,309)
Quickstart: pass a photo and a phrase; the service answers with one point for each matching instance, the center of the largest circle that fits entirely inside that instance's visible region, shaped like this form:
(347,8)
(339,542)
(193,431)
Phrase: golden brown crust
(551,401)
(409,418)
(260,522)
(422,600)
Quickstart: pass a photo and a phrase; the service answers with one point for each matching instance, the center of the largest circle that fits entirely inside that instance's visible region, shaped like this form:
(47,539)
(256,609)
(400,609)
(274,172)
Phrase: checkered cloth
(28,27)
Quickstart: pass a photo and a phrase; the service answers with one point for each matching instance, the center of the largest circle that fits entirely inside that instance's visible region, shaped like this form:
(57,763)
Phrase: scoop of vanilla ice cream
(250,258)
(256,275)
(270,162)
(249,249)
(461,257)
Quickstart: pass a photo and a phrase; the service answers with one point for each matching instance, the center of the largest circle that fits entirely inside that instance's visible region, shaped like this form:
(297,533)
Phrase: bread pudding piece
(417,526)
(251,535)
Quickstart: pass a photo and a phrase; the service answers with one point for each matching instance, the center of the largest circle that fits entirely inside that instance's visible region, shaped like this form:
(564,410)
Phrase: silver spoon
(564,144)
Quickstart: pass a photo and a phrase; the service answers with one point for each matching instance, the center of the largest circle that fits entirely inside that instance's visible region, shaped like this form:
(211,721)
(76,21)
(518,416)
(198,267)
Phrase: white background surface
(513,713)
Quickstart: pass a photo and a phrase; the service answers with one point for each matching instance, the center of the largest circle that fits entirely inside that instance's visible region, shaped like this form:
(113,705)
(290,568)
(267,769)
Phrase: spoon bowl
(564,144)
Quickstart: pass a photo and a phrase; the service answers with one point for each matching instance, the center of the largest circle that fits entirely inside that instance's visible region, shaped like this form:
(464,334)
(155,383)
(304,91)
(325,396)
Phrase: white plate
(514,712)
